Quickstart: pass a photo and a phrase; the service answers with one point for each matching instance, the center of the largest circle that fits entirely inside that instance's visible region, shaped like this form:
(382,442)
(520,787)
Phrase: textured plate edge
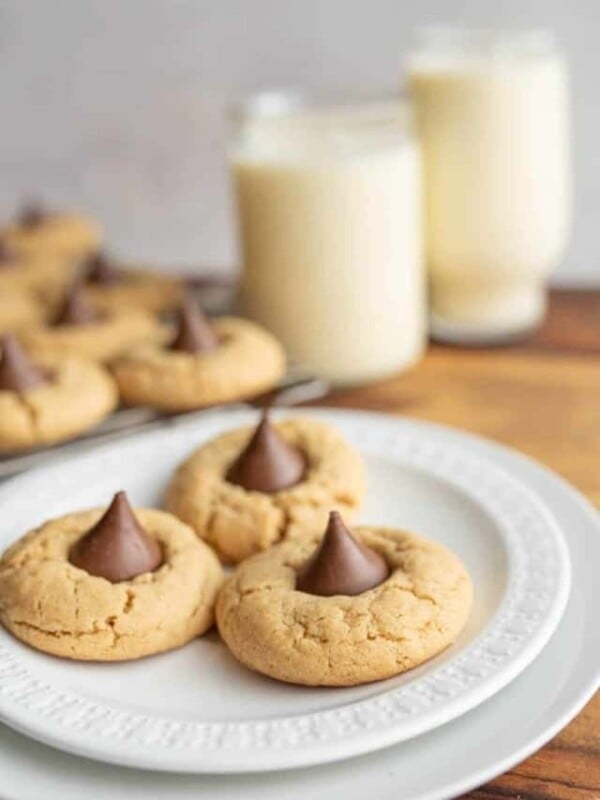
(585,694)
(575,691)
(330,751)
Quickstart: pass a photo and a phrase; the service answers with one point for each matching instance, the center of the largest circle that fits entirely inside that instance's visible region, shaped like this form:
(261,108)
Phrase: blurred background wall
(117,106)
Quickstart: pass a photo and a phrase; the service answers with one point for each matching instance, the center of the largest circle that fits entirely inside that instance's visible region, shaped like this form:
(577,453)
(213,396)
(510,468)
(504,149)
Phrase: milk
(329,206)
(494,121)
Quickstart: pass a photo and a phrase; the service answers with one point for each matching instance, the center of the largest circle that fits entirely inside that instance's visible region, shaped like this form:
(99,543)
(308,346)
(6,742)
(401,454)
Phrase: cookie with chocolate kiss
(17,372)
(344,616)
(117,547)
(194,331)
(99,270)
(268,463)
(76,310)
(341,564)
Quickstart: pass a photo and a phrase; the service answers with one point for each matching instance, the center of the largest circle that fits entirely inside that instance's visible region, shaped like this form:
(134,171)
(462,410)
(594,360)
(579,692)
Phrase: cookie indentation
(238,522)
(54,606)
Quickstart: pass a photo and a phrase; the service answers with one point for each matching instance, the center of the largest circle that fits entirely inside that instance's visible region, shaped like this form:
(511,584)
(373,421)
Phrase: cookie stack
(97,333)
(310,601)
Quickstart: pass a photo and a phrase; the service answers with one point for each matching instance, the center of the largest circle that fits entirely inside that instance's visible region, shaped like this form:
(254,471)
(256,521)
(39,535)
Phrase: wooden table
(541,396)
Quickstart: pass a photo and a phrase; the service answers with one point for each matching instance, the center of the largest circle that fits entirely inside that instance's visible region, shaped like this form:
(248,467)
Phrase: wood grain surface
(541,396)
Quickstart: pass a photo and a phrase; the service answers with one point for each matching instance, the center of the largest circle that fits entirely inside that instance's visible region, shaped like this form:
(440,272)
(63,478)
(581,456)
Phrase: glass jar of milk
(493,113)
(330,221)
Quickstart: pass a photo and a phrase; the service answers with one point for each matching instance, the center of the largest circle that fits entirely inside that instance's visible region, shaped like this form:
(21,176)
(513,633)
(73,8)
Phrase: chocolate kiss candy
(267,463)
(17,372)
(194,333)
(117,547)
(98,269)
(341,564)
(76,310)
(32,215)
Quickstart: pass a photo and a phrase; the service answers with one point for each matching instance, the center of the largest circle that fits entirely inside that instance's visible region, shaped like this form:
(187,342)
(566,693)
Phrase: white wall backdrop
(117,106)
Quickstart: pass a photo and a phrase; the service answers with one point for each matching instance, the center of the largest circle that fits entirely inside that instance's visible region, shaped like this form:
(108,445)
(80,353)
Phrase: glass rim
(482,40)
(347,107)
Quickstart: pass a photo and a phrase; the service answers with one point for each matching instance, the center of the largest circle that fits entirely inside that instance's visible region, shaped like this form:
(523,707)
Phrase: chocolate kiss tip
(194,332)
(17,372)
(75,309)
(98,269)
(117,547)
(267,463)
(341,564)
(31,215)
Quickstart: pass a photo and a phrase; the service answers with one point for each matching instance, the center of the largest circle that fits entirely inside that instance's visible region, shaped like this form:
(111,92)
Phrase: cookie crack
(286,521)
(129,601)
(56,633)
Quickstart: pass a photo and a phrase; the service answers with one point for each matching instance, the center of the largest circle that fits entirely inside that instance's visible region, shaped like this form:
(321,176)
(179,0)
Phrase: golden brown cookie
(56,607)
(19,310)
(239,523)
(247,362)
(137,288)
(342,640)
(37,232)
(45,277)
(104,339)
(78,395)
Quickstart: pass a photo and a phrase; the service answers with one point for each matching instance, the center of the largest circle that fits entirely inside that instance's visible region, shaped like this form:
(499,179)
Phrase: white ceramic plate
(436,766)
(197,710)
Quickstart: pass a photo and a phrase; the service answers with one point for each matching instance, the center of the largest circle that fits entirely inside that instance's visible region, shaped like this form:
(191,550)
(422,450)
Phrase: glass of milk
(330,223)
(493,114)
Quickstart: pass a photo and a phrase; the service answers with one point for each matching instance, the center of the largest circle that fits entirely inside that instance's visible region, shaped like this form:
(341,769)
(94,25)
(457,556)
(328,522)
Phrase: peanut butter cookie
(111,286)
(244,361)
(80,330)
(345,639)
(19,310)
(39,231)
(208,492)
(44,277)
(50,400)
(55,606)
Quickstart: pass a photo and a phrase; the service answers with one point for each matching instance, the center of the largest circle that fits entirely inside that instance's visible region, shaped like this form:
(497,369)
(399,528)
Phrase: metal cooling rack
(294,389)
